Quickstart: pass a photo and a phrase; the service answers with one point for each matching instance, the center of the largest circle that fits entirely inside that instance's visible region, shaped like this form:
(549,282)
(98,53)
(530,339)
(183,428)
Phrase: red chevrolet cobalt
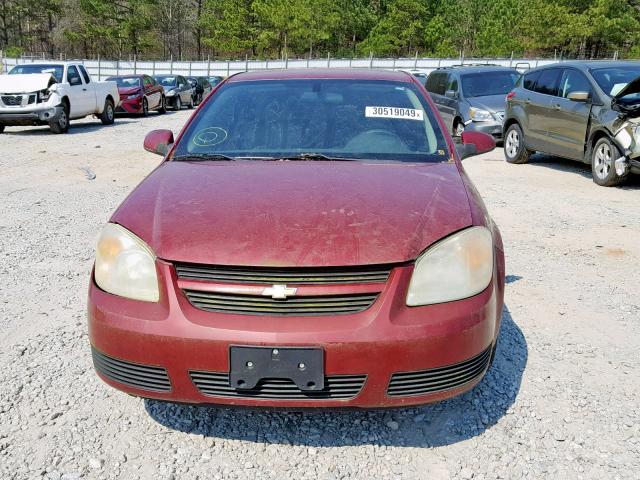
(310,240)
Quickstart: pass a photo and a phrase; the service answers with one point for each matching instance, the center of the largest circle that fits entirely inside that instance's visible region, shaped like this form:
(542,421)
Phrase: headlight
(479,115)
(43,95)
(171,93)
(135,95)
(457,267)
(125,265)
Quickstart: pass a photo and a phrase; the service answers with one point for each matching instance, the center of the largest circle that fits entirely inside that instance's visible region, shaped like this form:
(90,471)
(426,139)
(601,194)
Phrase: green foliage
(300,28)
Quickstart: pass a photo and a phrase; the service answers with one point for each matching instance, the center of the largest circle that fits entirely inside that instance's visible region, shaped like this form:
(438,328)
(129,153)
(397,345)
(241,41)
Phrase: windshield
(349,119)
(167,81)
(126,82)
(613,80)
(55,70)
(483,84)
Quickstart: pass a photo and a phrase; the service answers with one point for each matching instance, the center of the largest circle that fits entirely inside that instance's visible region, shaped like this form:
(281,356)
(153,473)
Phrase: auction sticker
(393,112)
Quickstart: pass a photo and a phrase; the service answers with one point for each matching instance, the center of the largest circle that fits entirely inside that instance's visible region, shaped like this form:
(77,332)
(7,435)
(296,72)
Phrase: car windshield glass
(55,70)
(613,80)
(126,82)
(167,81)
(483,84)
(311,119)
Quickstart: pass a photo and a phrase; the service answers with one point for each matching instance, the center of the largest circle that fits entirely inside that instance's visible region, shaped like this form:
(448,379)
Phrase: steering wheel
(377,140)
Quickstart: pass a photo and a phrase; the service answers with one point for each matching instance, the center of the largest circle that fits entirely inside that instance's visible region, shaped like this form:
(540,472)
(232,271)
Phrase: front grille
(295,276)
(144,377)
(337,387)
(259,305)
(32,99)
(438,379)
(12,100)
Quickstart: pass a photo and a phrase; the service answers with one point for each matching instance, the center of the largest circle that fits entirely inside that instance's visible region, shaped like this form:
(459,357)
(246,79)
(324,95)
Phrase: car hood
(295,213)
(492,103)
(25,83)
(128,90)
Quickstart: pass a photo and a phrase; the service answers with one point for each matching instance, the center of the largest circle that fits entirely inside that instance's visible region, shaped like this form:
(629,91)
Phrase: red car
(310,240)
(139,94)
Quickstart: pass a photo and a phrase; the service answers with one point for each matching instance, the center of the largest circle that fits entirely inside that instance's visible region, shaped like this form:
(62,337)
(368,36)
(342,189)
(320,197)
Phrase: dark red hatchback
(310,240)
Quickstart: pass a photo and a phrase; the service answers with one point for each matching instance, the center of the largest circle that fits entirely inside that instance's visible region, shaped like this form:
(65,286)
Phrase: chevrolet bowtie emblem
(279,292)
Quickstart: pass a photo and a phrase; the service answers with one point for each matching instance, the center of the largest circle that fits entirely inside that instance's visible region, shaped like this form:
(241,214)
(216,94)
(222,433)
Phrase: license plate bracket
(249,365)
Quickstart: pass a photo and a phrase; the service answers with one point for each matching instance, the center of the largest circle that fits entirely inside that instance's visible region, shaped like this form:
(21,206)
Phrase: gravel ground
(561,401)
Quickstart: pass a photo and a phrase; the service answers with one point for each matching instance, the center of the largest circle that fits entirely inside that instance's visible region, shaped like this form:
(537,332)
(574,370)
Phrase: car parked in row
(201,88)
(311,239)
(139,94)
(54,93)
(585,111)
(177,91)
(472,97)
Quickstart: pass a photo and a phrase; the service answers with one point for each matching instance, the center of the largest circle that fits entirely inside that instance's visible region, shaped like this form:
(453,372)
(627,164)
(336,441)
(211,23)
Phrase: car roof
(322,74)
(474,68)
(590,64)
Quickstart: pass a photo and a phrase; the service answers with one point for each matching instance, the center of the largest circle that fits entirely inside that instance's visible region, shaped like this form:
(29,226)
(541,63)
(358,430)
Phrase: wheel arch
(594,136)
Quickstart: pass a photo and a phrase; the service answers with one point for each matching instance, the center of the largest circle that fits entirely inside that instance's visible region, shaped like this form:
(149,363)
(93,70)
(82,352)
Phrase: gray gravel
(562,400)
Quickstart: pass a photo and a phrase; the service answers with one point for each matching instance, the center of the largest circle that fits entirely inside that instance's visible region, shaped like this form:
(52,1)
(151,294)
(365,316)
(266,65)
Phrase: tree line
(222,29)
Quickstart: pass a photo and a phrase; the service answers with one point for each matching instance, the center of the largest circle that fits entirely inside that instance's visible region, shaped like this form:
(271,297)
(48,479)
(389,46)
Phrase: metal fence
(105,68)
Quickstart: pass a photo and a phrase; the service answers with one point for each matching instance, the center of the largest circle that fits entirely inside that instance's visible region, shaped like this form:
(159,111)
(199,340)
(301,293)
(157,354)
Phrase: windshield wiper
(316,156)
(202,157)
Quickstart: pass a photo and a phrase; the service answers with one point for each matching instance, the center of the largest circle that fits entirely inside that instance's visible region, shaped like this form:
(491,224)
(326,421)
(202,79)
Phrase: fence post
(190,64)
(394,63)
(511,60)
(246,62)
(370,59)
(171,66)
(329,60)
(118,67)
(135,64)
(228,67)
(208,66)
(99,69)
(415,61)
(266,65)
(153,69)
(350,62)
(286,62)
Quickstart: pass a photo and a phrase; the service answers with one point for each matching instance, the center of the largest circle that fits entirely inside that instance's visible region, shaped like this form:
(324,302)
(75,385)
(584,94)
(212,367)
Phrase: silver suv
(472,97)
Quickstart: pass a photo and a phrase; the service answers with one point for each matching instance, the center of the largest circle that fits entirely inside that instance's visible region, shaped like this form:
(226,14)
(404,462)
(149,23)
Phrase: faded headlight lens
(125,265)
(457,267)
(479,115)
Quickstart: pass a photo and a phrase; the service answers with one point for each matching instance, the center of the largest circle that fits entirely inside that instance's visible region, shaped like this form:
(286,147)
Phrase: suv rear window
(548,81)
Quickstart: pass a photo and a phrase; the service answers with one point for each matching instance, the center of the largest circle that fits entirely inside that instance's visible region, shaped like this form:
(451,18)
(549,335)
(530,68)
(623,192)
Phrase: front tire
(514,148)
(178,103)
(458,128)
(603,169)
(145,107)
(61,124)
(190,106)
(107,117)
(163,105)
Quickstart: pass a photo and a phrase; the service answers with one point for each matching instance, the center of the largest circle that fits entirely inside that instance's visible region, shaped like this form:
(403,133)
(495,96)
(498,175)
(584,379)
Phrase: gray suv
(472,97)
(587,111)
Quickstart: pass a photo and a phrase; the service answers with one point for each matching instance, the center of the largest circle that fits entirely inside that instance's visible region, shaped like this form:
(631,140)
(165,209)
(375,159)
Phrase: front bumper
(492,128)
(21,116)
(191,346)
(133,105)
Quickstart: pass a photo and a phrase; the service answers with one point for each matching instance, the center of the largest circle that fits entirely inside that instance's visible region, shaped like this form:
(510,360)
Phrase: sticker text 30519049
(393,112)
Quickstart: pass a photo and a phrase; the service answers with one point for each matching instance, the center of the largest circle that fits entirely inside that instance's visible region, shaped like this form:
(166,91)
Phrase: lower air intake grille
(337,387)
(12,100)
(144,377)
(295,276)
(259,305)
(438,379)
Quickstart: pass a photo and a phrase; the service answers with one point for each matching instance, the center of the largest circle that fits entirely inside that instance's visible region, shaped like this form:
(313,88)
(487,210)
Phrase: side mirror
(578,96)
(474,143)
(158,141)
(451,94)
(75,81)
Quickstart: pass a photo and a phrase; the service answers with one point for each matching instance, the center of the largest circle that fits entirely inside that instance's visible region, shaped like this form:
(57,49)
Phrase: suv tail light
(510,95)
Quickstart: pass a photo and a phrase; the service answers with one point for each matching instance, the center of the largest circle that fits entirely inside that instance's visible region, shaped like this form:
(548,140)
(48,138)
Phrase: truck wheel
(514,149)
(61,124)
(107,116)
(163,105)
(603,169)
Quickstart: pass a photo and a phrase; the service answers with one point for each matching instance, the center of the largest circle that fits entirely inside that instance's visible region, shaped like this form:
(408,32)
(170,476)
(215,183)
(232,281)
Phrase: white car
(52,94)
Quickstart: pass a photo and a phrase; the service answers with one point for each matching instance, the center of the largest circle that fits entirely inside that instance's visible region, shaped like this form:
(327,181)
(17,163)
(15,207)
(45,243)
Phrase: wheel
(458,128)
(190,106)
(514,149)
(163,105)
(145,107)
(603,157)
(61,124)
(178,103)
(107,116)
(1,128)
(200,99)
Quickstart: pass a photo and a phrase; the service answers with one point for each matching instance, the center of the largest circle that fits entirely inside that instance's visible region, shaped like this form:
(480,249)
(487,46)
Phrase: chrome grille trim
(337,387)
(144,377)
(438,379)
(293,276)
(299,305)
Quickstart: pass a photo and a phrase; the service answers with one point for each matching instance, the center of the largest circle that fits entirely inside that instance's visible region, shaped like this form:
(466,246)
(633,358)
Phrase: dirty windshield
(55,70)
(316,120)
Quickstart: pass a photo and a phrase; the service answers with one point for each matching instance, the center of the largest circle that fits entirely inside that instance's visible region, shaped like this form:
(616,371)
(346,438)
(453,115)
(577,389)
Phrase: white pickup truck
(54,93)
